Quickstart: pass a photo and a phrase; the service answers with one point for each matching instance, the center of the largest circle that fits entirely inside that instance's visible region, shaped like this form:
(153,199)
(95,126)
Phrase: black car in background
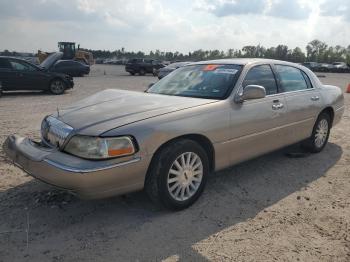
(336,67)
(70,67)
(162,72)
(54,63)
(17,74)
(143,66)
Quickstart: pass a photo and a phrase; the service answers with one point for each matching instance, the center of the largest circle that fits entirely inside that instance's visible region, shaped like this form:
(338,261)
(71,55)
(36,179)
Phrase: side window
(291,78)
(18,66)
(155,62)
(63,64)
(261,75)
(59,65)
(21,66)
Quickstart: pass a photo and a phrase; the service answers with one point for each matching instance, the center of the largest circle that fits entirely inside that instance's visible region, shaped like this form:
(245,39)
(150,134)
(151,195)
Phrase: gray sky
(171,25)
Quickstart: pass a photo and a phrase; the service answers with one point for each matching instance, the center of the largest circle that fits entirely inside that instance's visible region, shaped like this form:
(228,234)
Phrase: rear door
(302,99)
(258,126)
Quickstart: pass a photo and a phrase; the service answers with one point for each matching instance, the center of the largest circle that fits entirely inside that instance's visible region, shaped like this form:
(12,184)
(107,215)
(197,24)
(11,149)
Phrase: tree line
(316,51)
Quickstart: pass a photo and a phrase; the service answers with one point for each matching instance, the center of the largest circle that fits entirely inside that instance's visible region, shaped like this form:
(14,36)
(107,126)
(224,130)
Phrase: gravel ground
(270,208)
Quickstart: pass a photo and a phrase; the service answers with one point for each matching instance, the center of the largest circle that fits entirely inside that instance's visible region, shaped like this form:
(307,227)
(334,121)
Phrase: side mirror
(251,92)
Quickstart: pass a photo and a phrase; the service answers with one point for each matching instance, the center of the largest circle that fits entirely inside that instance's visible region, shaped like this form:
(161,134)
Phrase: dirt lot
(270,208)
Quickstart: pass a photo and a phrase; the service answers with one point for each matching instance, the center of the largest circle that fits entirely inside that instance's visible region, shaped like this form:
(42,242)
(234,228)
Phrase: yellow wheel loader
(69,53)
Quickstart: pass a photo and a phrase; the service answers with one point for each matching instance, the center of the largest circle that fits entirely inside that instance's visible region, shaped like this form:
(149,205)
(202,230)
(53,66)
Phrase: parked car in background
(54,63)
(143,66)
(17,74)
(70,67)
(341,67)
(51,60)
(325,67)
(202,118)
(313,66)
(162,72)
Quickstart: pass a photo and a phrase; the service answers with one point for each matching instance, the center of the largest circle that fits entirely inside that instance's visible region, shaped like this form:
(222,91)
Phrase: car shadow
(29,93)
(25,93)
(131,228)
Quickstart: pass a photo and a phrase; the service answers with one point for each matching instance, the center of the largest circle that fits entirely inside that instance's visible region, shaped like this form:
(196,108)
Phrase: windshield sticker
(229,71)
(210,67)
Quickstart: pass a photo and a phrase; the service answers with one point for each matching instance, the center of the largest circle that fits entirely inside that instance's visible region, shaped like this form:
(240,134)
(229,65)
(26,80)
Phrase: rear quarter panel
(333,96)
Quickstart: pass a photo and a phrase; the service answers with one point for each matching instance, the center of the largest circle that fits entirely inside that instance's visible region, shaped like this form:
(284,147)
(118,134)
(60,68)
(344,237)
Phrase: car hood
(113,108)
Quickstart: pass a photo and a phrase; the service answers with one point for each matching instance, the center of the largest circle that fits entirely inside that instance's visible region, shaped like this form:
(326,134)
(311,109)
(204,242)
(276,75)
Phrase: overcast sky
(171,25)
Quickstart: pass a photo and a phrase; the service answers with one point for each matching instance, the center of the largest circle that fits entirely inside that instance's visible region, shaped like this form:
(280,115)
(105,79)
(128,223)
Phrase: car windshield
(51,59)
(202,81)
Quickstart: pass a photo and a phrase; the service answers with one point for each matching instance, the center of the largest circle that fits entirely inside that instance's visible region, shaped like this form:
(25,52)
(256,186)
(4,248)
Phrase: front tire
(57,87)
(178,175)
(320,134)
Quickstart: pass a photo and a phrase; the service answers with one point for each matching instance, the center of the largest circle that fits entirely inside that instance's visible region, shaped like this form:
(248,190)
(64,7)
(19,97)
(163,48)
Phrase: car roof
(241,61)
(18,59)
(14,58)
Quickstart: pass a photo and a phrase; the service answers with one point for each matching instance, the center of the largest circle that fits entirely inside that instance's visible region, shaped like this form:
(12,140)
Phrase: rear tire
(177,175)
(57,87)
(132,73)
(320,134)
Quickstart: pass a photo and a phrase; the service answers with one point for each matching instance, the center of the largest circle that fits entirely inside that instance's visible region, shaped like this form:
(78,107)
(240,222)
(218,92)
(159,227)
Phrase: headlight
(100,148)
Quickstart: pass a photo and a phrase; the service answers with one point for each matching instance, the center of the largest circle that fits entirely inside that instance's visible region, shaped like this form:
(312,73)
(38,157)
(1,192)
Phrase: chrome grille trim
(54,131)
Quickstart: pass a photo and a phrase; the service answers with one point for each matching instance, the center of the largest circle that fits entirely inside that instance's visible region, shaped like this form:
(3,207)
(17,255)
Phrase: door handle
(315,98)
(277,106)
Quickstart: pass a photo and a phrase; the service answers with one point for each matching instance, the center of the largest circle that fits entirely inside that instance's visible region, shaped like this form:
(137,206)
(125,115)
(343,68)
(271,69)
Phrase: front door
(258,126)
(28,77)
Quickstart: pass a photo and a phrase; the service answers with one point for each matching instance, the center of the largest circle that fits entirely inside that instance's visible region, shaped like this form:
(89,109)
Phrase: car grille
(54,131)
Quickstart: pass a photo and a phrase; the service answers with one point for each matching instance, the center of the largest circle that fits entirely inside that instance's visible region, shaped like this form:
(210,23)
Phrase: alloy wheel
(321,133)
(57,87)
(185,176)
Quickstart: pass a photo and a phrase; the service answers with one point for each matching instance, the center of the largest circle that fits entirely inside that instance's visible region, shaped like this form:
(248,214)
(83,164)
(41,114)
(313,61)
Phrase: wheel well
(56,78)
(203,141)
(330,112)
